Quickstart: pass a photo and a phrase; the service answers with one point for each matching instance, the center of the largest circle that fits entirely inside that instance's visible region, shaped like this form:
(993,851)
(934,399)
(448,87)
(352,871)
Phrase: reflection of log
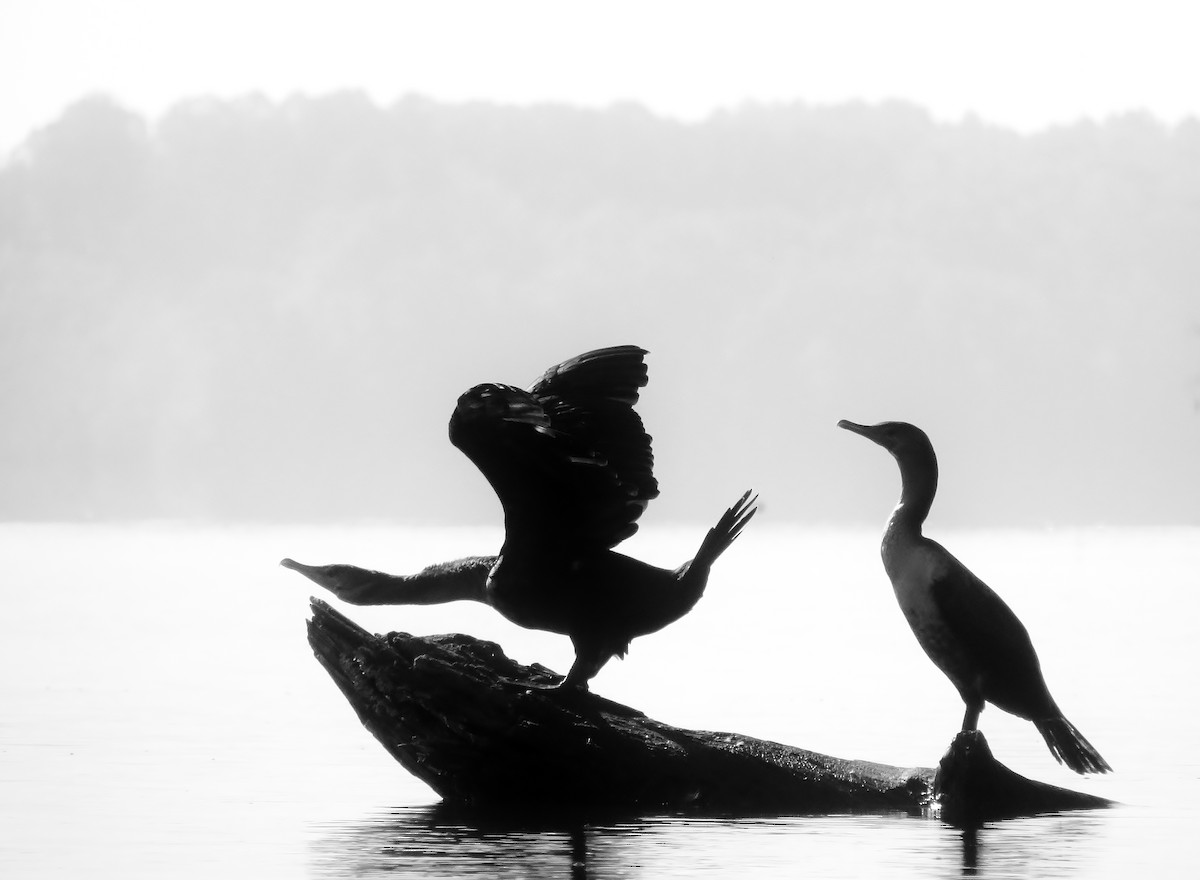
(483,730)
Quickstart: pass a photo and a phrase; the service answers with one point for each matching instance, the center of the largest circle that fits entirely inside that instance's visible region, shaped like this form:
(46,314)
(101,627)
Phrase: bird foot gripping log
(483,730)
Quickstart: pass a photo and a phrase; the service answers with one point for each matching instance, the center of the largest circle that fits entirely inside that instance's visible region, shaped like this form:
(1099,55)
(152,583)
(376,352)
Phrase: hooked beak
(871,432)
(864,430)
(312,572)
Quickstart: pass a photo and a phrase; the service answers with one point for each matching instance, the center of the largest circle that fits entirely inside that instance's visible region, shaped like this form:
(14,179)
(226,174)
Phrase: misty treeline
(251,309)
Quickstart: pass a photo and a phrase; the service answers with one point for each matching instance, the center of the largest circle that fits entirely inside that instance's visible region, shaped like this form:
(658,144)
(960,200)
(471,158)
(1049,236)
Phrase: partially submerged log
(483,731)
(972,787)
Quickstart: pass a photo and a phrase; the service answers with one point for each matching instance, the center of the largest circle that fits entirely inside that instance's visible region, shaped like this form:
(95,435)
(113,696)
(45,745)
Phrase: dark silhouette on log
(571,463)
(484,731)
(972,787)
(964,627)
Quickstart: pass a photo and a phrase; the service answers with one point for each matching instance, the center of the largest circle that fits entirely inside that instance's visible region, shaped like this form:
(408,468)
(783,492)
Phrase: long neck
(918,485)
(442,582)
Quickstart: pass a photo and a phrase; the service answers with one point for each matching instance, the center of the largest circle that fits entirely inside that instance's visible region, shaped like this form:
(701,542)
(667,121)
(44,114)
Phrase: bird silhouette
(966,629)
(571,463)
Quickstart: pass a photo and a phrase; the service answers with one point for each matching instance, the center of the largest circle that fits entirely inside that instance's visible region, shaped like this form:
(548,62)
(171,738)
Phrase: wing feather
(995,640)
(569,459)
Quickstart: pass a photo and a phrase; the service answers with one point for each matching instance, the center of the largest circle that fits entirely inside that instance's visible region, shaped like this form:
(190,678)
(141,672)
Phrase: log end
(972,787)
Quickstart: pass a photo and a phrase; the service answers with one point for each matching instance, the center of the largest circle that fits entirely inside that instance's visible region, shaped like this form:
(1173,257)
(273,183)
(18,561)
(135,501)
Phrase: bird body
(572,465)
(609,591)
(964,627)
(912,572)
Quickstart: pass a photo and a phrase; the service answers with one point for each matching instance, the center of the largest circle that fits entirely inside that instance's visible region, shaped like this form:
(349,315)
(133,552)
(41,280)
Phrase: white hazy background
(234,233)
(1023,64)
(251,252)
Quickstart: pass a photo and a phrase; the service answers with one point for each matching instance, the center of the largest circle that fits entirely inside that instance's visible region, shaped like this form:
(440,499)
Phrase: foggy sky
(266,310)
(1023,64)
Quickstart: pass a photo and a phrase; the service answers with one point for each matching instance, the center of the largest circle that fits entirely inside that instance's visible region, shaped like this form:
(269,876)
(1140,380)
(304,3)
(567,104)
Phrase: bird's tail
(1070,746)
(720,536)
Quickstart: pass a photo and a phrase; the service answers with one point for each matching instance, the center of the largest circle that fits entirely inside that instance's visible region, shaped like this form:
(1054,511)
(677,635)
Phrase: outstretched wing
(569,459)
(591,398)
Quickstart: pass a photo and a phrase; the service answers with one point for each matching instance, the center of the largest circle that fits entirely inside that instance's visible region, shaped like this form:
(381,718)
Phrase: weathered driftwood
(482,730)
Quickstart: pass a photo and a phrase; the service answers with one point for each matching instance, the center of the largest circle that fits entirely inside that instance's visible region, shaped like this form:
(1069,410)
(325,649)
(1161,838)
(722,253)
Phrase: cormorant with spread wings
(572,466)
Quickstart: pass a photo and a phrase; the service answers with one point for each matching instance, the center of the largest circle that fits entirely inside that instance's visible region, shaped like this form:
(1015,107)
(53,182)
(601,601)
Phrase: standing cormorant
(572,466)
(965,628)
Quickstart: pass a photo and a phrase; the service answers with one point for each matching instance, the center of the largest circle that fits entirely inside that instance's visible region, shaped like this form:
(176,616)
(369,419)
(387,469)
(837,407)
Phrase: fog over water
(265,310)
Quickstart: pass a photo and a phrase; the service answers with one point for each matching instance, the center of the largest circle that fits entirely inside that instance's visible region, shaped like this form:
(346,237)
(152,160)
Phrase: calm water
(163,715)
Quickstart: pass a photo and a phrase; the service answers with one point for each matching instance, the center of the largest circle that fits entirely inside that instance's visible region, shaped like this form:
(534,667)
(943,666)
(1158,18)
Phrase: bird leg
(971,718)
(588,661)
(573,682)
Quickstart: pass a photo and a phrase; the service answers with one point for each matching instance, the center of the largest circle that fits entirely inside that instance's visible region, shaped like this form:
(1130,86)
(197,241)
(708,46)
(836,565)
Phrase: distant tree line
(250,309)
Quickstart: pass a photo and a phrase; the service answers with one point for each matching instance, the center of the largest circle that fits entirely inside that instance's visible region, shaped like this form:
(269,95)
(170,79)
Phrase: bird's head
(908,443)
(485,407)
(348,582)
(913,452)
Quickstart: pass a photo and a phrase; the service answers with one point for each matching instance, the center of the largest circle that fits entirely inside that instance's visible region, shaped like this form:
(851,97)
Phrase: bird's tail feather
(728,527)
(1070,746)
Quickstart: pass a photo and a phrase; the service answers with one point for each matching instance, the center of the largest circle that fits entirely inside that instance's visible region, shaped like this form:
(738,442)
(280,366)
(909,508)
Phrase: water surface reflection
(444,842)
